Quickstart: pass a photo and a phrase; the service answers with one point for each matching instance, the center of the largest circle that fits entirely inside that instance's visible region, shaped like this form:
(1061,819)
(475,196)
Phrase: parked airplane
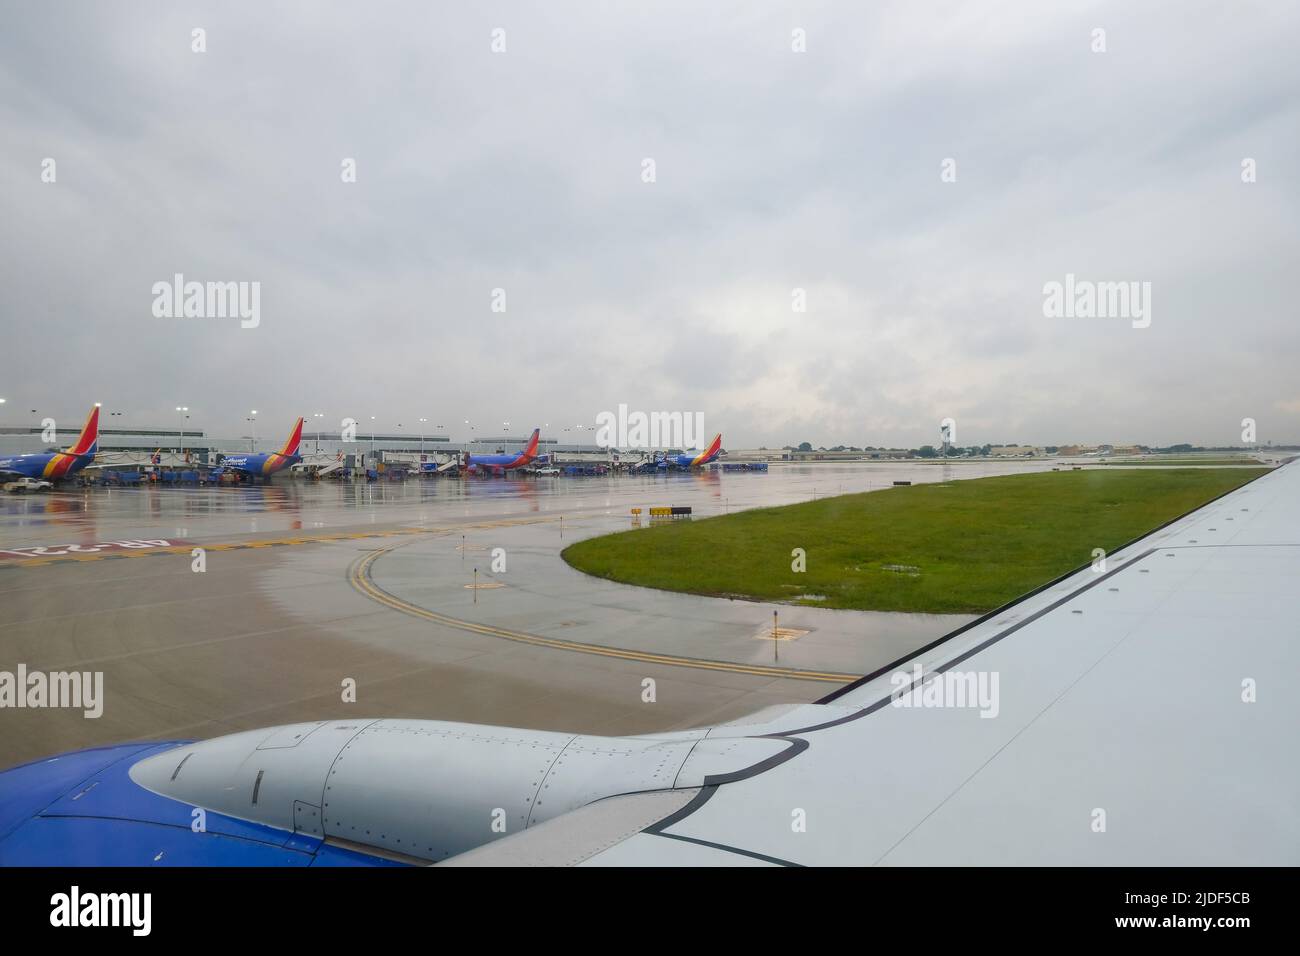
(265,466)
(693,460)
(1098,672)
(62,464)
(500,464)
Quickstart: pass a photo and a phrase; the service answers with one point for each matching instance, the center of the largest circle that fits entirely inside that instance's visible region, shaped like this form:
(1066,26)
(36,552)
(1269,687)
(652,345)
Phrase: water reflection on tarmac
(88,515)
(267,633)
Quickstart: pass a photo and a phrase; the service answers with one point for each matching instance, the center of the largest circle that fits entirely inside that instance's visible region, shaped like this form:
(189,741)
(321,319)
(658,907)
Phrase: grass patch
(1166,462)
(961,547)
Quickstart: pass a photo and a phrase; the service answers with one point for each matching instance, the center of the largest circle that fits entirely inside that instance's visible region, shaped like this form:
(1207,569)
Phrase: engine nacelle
(427,789)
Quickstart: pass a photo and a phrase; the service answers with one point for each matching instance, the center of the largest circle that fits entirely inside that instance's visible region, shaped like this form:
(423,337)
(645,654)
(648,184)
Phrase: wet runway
(310,586)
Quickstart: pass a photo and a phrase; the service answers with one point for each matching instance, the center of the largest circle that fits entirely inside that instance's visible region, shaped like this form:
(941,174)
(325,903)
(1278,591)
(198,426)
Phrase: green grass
(974,544)
(1166,462)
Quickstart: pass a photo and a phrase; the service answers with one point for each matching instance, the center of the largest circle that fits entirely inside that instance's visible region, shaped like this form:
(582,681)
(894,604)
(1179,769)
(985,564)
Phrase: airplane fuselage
(499,464)
(259,466)
(51,466)
(695,460)
(267,464)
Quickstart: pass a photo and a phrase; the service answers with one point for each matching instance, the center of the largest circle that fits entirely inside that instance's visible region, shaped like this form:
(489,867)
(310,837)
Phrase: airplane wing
(1144,714)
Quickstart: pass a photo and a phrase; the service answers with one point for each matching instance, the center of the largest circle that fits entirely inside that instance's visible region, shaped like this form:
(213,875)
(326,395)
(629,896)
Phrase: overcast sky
(775,170)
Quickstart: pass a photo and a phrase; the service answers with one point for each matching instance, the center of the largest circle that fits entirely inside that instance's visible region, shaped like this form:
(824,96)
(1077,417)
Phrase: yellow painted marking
(359,576)
(44,560)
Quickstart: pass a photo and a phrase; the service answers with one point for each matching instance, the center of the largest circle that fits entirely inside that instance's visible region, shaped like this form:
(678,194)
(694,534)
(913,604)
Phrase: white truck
(28,484)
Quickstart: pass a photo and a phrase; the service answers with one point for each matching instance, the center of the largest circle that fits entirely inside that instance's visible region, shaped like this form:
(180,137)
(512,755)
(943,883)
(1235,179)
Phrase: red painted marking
(104,547)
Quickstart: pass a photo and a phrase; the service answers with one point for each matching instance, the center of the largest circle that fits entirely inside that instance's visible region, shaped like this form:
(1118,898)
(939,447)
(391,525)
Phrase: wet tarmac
(309,587)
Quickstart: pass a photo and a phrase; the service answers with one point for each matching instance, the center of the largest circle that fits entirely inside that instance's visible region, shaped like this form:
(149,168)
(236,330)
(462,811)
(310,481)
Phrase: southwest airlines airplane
(264,466)
(1145,714)
(499,464)
(709,454)
(52,466)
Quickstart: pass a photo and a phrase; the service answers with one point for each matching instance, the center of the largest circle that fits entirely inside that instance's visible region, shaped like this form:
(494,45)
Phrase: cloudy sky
(774,170)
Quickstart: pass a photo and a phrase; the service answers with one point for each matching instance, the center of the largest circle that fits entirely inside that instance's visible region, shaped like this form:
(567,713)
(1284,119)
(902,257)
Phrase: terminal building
(127,447)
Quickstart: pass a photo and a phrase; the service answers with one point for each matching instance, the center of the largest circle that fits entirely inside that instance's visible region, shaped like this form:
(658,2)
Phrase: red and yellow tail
(290,448)
(711,452)
(531,450)
(88,440)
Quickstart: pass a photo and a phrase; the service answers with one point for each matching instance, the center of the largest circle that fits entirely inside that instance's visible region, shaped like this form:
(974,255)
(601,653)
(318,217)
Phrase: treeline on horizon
(978,451)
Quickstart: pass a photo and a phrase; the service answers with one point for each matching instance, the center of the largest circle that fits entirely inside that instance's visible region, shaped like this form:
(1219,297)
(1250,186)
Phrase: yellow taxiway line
(43,560)
(359,577)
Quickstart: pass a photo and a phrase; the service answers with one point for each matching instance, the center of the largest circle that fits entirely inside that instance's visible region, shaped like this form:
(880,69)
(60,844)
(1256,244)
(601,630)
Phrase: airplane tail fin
(290,448)
(715,446)
(88,440)
(531,450)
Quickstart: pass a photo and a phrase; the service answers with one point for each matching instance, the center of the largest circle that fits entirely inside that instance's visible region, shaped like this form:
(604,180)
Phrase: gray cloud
(775,170)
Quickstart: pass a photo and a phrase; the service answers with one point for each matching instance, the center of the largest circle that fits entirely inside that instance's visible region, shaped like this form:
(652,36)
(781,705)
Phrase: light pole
(422,421)
(97,405)
(184,412)
(318,424)
(252,443)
